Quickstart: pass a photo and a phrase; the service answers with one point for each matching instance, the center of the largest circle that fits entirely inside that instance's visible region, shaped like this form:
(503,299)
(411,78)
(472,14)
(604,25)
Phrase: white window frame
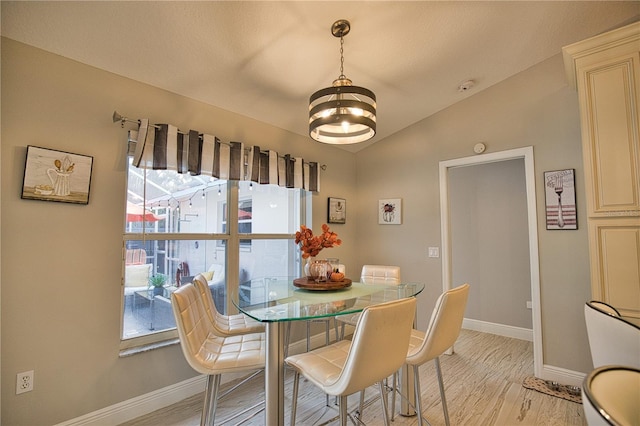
(233,247)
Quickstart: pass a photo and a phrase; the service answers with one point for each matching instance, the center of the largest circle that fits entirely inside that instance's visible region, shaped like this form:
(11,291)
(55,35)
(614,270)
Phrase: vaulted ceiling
(263,59)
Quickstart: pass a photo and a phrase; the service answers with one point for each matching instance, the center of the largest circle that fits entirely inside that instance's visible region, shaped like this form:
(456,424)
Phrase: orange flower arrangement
(311,245)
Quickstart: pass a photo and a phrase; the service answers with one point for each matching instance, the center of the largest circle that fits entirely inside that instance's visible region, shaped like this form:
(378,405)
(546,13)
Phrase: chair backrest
(378,347)
(613,341)
(192,324)
(604,307)
(135,257)
(380,274)
(201,284)
(444,325)
(612,391)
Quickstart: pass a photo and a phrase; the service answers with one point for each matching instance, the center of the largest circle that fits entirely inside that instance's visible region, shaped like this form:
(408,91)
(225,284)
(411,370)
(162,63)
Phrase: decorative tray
(309,284)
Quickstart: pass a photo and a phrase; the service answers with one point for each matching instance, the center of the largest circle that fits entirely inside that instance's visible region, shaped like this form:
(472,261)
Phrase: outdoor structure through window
(179,225)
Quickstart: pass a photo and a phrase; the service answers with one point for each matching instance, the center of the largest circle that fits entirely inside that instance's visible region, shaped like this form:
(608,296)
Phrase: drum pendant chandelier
(342,114)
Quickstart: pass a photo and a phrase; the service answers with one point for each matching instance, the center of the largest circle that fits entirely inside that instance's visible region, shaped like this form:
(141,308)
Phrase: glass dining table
(276,301)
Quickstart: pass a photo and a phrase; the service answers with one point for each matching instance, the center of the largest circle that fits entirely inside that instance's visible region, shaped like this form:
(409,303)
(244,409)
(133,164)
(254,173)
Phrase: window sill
(147,347)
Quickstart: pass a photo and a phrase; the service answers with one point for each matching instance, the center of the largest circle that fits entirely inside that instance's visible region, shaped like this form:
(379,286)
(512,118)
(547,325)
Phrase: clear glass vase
(318,270)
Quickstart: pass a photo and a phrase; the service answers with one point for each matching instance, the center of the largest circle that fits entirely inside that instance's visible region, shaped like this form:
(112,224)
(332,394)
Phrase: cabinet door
(611,147)
(606,71)
(615,263)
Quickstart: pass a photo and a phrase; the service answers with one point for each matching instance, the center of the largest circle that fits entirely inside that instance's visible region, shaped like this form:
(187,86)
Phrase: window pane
(174,203)
(270,209)
(267,258)
(154,269)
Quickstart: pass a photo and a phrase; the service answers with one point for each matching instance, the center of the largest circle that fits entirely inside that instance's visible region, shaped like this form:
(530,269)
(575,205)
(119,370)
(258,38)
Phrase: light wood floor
(483,381)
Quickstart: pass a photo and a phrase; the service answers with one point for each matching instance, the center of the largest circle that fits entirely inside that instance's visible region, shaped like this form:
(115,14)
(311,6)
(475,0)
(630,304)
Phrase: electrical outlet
(24,382)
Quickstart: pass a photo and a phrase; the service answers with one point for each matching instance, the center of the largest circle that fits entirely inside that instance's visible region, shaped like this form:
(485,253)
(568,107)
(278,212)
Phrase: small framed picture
(337,210)
(390,211)
(52,175)
(560,199)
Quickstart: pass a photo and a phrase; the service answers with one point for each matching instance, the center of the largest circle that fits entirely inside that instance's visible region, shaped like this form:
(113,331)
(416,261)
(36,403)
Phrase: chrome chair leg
(327,327)
(394,384)
(204,418)
(210,400)
(417,393)
(441,383)
(383,401)
(343,411)
(361,405)
(294,398)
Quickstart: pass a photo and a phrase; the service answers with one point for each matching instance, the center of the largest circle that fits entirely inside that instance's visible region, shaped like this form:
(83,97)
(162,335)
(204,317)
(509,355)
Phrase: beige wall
(61,263)
(60,273)
(534,108)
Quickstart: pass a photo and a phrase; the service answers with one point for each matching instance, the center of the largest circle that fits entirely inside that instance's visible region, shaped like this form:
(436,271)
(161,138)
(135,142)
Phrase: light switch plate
(434,252)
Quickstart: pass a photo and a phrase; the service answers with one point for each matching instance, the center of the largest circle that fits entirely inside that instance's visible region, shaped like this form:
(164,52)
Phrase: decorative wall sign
(560,199)
(337,210)
(390,211)
(52,175)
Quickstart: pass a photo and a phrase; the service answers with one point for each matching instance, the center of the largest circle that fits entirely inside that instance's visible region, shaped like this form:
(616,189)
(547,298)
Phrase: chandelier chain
(341,57)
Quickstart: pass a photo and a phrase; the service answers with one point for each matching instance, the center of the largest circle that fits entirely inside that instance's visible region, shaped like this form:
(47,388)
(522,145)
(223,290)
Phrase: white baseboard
(140,405)
(562,376)
(499,329)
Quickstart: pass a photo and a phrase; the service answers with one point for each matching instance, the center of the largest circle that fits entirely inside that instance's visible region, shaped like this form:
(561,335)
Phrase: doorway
(525,154)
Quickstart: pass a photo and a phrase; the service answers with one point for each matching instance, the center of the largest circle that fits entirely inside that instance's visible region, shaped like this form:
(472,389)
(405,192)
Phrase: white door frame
(530,182)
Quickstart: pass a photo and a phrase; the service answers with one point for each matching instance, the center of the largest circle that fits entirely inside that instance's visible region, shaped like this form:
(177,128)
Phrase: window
(245,220)
(178,226)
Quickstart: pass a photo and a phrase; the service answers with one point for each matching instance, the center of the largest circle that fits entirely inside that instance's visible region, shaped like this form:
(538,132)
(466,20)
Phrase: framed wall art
(52,175)
(337,210)
(390,211)
(560,199)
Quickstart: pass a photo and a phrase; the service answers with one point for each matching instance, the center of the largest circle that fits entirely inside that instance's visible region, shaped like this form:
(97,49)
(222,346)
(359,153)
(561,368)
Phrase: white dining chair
(442,332)
(370,274)
(210,354)
(349,366)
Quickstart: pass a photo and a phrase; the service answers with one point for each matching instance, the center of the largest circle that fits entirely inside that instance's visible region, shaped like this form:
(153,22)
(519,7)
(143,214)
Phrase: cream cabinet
(606,72)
